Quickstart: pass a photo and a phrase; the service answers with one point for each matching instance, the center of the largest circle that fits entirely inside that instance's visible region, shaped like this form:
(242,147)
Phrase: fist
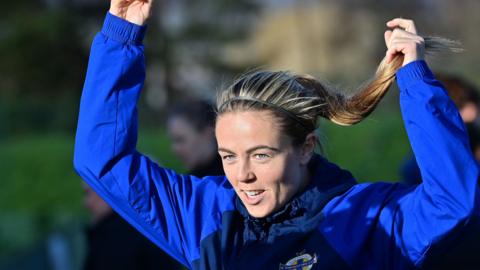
(134,11)
(403,39)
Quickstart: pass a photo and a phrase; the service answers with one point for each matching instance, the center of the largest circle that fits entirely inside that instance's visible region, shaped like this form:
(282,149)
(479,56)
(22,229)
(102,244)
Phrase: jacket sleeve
(173,211)
(447,198)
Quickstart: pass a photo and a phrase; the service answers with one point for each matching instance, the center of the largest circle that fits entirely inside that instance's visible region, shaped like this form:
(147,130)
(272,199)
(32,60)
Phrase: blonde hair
(298,100)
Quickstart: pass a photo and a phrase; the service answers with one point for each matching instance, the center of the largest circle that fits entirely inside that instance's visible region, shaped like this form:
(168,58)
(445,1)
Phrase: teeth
(252,193)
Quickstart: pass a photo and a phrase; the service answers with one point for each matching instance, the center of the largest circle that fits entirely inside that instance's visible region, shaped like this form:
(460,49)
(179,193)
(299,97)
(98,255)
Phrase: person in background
(466,98)
(114,244)
(191,127)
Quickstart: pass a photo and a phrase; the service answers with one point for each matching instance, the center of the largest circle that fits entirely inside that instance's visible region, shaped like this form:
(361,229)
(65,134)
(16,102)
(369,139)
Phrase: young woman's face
(260,162)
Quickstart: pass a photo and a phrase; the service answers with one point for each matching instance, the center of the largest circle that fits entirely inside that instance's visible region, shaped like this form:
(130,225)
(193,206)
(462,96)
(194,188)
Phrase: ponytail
(344,110)
(298,100)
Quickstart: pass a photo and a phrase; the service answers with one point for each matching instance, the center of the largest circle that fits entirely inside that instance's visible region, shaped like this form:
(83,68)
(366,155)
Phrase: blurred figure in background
(467,99)
(113,244)
(191,127)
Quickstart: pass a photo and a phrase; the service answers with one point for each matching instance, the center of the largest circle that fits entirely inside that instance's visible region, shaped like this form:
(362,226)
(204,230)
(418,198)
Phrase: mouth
(253,197)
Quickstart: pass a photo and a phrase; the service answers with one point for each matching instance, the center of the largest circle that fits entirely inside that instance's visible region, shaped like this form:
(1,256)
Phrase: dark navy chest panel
(293,244)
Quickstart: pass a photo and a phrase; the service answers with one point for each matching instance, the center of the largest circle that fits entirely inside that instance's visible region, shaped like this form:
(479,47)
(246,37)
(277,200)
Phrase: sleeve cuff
(413,72)
(123,31)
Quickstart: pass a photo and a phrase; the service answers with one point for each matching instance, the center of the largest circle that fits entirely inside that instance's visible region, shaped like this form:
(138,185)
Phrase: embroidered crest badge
(303,261)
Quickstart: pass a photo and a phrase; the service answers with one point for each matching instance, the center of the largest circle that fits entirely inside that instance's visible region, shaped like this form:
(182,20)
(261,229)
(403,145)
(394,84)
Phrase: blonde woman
(280,205)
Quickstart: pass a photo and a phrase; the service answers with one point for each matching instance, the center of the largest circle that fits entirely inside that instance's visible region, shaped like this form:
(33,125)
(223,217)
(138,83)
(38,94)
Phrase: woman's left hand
(404,39)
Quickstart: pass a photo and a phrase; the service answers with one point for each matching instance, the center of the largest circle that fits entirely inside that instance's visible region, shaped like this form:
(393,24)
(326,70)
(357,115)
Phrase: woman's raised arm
(393,226)
(173,211)
(448,196)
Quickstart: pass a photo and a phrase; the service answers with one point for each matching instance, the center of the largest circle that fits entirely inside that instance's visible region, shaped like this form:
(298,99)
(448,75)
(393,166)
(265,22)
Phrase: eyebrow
(250,150)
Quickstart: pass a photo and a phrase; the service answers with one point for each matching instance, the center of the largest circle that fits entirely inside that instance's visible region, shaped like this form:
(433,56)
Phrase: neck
(306,179)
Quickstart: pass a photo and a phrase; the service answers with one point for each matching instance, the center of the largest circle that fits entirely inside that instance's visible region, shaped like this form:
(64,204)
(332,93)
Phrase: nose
(244,172)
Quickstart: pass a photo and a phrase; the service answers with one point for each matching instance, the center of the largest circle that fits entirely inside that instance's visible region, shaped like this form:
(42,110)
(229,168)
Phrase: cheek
(284,178)
(229,173)
(274,175)
(271,175)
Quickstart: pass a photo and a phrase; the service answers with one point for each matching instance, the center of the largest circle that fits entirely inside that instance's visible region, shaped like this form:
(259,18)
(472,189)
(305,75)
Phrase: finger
(400,36)
(406,47)
(398,46)
(391,52)
(387,35)
(387,58)
(148,2)
(407,25)
(406,40)
(393,40)
(394,51)
(397,32)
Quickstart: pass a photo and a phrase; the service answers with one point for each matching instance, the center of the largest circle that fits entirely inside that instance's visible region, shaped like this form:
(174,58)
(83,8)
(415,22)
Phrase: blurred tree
(44,57)
(184,47)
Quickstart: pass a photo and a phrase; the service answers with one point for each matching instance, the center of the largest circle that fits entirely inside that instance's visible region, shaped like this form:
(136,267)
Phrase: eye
(261,156)
(228,157)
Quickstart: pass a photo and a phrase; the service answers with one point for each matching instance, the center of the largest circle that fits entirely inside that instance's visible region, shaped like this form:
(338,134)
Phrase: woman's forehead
(246,129)
(248,121)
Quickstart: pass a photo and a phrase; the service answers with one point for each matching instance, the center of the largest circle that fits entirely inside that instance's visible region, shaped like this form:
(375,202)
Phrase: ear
(308,148)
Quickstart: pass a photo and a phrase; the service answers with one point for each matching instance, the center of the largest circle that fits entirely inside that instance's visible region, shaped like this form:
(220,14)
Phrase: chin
(258,211)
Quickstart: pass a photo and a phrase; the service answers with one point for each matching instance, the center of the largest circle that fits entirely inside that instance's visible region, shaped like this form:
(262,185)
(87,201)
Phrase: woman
(280,206)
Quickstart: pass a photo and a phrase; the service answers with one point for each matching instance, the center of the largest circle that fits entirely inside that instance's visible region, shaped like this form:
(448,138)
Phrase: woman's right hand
(134,11)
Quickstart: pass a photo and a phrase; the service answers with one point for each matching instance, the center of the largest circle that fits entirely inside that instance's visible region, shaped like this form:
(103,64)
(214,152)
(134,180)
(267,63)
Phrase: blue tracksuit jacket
(334,224)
